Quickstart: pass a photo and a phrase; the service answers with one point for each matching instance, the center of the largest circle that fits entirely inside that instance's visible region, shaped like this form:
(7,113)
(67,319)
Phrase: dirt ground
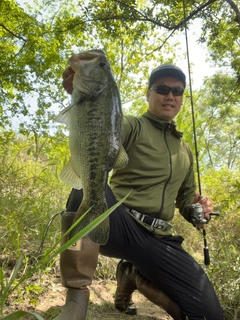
(43,294)
(101,304)
(49,303)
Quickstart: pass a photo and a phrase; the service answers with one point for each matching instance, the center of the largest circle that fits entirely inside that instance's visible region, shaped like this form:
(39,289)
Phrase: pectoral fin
(64,116)
(70,177)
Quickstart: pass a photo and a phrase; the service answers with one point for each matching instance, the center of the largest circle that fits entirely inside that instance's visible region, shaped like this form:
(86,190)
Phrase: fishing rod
(196,210)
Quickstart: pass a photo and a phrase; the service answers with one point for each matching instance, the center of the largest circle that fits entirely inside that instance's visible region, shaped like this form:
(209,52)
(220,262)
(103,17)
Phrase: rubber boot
(126,285)
(129,279)
(77,265)
(157,297)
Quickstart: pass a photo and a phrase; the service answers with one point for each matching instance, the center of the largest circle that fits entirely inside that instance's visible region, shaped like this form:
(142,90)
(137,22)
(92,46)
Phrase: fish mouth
(86,82)
(85,56)
(90,54)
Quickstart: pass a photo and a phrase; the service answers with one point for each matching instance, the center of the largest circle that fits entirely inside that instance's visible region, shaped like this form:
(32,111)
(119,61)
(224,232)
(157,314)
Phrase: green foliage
(19,314)
(224,272)
(38,40)
(29,56)
(222,33)
(219,104)
(8,286)
(222,187)
(31,191)
(216,112)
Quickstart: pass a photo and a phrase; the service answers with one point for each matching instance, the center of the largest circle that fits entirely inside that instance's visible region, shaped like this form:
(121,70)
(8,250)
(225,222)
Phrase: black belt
(152,222)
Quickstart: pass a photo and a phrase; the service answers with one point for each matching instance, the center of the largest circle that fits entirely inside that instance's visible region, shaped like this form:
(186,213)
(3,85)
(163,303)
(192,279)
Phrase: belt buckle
(136,214)
(148,220)
(161,224)
(152,222)
(158,224)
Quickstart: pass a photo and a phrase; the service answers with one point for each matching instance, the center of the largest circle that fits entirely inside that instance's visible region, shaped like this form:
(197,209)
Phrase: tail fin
(100,234)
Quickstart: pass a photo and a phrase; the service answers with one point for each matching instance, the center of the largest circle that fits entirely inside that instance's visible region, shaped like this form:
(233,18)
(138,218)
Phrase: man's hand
(206,203)
(67,82)
(207,208)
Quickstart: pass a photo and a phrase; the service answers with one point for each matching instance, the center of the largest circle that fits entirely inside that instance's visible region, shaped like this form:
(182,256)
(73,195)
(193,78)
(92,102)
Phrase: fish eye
(103,64)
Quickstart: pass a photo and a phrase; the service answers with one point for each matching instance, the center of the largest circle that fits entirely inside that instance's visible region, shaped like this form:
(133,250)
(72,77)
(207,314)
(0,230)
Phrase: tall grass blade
(52,253)
(14,272)
(19,314)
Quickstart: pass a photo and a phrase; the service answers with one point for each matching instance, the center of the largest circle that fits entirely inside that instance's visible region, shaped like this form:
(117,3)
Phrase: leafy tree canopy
(37,40)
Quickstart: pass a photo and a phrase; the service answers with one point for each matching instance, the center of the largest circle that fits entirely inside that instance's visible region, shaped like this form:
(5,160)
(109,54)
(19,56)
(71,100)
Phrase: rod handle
(206,256)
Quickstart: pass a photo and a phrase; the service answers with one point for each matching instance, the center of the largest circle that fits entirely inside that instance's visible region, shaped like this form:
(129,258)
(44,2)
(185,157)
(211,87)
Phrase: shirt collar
(161,124)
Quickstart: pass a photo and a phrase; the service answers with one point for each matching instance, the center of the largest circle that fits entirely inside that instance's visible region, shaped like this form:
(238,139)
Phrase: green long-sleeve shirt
(160,168)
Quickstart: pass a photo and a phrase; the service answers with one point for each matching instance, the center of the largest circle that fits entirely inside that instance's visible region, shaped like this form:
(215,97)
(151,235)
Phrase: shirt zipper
(170,161)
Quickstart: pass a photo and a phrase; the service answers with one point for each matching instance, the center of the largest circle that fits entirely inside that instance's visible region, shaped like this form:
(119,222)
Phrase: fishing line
(45,232)
(191,100)
(205,250)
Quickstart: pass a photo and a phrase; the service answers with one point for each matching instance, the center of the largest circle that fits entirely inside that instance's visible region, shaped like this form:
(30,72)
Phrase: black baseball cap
(168,70)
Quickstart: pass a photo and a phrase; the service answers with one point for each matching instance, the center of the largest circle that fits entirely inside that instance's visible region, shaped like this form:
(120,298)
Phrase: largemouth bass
(94,119)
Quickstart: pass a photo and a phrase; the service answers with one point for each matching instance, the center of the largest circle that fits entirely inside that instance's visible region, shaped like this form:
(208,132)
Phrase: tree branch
(177,26)
(12,33)
(140,16)
(235,8)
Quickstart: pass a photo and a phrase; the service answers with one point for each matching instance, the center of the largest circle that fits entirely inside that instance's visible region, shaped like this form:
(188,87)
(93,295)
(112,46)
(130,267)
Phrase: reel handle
(217,214)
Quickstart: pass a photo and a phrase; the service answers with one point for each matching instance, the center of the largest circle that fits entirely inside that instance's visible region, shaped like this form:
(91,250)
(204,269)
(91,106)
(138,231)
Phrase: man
(160,175)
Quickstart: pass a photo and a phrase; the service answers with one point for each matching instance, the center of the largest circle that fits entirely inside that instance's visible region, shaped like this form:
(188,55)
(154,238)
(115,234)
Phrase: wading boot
(126,285)
(130,279)
(77,265)
(157,297)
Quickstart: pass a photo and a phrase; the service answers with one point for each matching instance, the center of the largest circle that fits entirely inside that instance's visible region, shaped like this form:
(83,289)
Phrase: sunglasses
(164,90)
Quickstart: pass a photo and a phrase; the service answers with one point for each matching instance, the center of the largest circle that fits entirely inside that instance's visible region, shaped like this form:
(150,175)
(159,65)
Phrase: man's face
(165,107)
